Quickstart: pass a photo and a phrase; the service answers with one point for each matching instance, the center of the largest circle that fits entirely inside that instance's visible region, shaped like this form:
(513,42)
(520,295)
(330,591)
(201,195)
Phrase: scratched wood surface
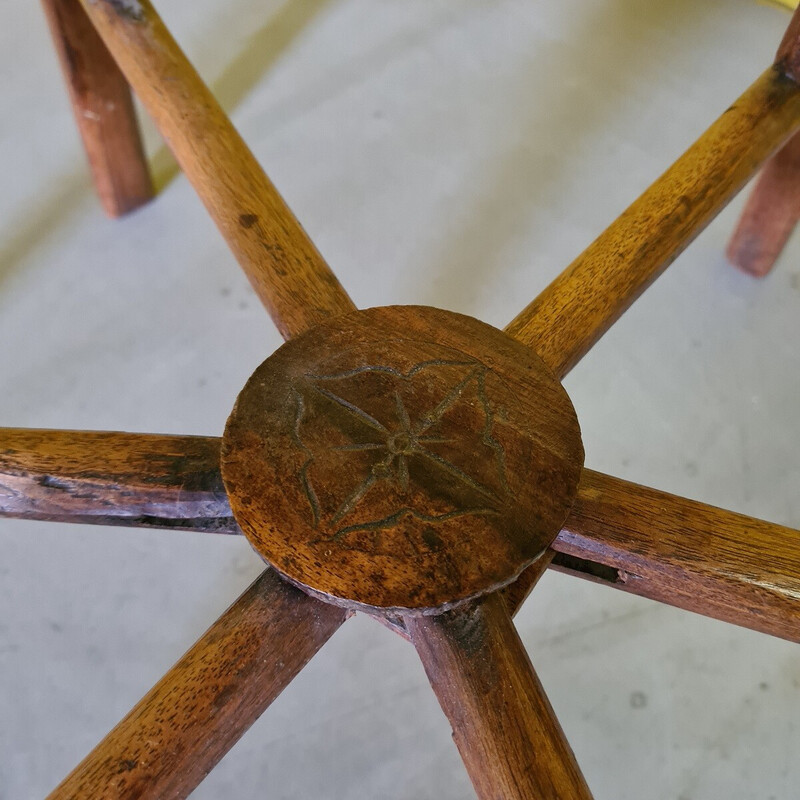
(403,457)
(184,725)
(132,479)
(132,9)
(103,109)
(773,207)
(688,554)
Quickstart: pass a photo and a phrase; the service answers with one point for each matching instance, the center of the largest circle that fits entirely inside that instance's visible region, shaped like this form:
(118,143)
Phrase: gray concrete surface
(451,152)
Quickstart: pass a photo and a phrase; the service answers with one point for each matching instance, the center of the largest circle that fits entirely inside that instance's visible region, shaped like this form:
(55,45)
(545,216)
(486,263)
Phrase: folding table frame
(405,462)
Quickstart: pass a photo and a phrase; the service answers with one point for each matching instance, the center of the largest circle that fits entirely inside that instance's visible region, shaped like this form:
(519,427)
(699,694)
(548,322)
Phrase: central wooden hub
(402,458)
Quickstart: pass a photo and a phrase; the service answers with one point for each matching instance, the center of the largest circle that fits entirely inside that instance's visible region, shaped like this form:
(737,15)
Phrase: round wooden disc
(402,458)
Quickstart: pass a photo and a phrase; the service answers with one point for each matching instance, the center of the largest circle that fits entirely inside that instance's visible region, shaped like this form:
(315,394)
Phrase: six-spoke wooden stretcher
(405,462)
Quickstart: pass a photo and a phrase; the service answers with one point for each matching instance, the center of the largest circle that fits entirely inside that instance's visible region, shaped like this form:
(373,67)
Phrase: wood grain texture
(103,107)
(684,553)
(503,724)
(771,213)
(132,479)
(286,270)
(516,593)
(179,731)
(402,458)
(580,305)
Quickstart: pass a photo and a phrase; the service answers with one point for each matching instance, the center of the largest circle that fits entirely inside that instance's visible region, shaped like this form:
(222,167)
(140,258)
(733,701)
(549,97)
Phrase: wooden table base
(103,108)
(411,463)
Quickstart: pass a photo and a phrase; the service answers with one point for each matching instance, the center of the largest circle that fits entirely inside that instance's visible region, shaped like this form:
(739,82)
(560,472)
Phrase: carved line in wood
(397,443)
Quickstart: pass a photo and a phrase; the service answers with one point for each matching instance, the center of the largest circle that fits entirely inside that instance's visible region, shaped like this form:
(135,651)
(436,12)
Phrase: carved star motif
(391,435)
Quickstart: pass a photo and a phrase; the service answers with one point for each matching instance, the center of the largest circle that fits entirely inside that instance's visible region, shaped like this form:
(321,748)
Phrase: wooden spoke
(579,306)
(694,556)
(286,270)
(179,731)
(503,724)
(134,479)
(103,108)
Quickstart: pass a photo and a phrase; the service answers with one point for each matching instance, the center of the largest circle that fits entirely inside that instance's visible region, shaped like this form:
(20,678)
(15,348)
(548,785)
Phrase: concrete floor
(456,153)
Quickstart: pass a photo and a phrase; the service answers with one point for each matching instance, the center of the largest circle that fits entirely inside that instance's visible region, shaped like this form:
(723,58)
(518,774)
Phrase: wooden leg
(774,206)
(187,722)
(677,551)
(286,269)
(771,213)
(591,294)
(103,107)
(137,480)
(505,729)
(580,305)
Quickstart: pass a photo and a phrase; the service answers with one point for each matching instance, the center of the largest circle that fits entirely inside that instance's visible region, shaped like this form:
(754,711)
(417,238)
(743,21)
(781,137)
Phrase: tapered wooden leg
(771,213)
(503,724)
(773,208)
(103,107)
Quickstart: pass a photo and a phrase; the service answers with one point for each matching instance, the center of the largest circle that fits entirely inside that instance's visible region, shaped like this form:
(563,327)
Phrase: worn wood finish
(402,458)
(688,554)
(514,595)
(179,731)
(354,442)
(103,108)
(286,270)
(133,479)
(771,213)
(580,305)
(503,724)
